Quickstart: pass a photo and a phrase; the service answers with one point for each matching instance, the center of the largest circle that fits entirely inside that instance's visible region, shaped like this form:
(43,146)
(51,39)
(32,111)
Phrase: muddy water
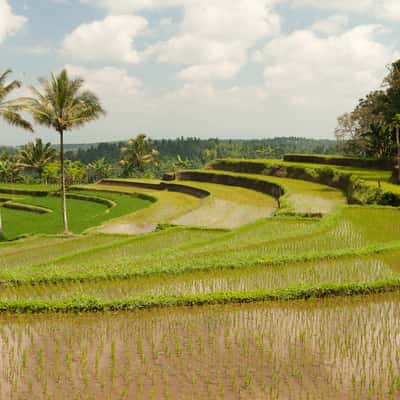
(331,349)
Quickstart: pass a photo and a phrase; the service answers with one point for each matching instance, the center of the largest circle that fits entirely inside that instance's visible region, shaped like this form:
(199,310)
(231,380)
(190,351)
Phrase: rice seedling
(338,348)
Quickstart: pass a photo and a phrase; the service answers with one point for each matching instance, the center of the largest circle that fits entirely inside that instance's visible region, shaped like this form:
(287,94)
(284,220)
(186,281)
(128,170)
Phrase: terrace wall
(259,185)
(171,187)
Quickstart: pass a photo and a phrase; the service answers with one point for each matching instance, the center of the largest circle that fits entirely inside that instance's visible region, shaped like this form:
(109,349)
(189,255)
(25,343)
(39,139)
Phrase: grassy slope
(82,214)
(33,187)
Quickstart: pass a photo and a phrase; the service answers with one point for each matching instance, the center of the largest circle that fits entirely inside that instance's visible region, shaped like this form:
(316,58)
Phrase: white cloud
(9,22)
(326,72)
(332,25)
(214,37)
(112,85)
(388,9)
(109,40)
(209,72)
(127,6)
(37,50)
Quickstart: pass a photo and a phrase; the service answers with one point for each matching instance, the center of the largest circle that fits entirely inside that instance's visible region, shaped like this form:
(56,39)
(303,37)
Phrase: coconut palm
(37,156)
(137,154)
(10,109)
(99,169)
(10,171)
(62,104)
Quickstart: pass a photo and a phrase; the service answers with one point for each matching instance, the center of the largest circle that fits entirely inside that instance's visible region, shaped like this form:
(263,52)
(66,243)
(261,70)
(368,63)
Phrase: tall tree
(377,111)
(394,126)
(10,109)
(36,156)
(61,103)
(137,154)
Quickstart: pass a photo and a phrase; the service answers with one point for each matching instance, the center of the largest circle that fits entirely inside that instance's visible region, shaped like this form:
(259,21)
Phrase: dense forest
(372,128)
(141,157)
(199,151)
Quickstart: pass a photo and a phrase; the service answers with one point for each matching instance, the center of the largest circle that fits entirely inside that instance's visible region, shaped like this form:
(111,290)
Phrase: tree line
(141,157)
(372,129)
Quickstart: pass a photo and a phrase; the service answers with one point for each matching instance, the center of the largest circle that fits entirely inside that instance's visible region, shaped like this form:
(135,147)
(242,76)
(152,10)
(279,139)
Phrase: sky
(204,68)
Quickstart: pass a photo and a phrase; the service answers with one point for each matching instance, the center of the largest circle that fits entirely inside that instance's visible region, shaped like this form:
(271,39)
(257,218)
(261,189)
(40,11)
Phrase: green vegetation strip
(56,275)
(91,304)
(12,205)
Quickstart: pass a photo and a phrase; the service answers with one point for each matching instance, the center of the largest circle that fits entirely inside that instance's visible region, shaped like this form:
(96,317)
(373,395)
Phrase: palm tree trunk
(63,191)
(1,228)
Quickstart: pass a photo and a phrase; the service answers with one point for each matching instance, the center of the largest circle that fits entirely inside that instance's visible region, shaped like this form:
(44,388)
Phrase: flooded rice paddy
(373,268)
(346,348)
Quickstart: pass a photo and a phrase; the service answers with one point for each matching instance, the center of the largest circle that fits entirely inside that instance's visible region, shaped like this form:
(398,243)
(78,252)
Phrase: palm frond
(62,104)
(4,76)
(15,119)
(10,109)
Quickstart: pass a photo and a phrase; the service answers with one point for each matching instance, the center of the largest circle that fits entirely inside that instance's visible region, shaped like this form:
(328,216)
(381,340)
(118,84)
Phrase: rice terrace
(296,297)
(214,259)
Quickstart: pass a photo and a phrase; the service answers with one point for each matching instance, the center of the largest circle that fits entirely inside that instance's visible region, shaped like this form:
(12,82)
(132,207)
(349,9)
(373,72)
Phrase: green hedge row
(340,161)
(89,304)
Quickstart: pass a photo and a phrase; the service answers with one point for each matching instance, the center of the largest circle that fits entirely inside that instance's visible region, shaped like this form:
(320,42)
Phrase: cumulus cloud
(388,9)
(109,40)
(112,85)
(214,37)
(9,22)
(127,6)
(311,70)
(332,25)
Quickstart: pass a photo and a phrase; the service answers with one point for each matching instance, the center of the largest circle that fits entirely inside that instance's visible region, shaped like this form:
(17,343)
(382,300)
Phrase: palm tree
(62,104)
(99,169)
(37,156)
(10,171)
(137,154)
(10,110)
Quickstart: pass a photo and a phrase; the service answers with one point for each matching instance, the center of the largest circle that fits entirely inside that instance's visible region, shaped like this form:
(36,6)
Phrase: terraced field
(323,278)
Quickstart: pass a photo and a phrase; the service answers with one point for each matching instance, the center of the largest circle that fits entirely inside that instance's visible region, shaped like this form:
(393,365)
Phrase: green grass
(343,234)
(93,304)
(364,173)
(82,214)
(29,187)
